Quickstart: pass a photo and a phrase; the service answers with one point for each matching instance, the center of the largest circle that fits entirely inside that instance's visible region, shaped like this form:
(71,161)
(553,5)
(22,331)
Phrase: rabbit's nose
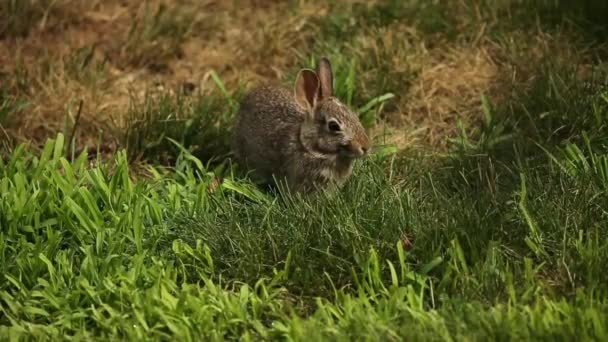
(355,150)
(361,151)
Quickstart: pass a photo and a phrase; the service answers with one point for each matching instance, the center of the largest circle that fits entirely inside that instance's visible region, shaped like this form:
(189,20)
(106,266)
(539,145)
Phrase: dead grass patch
(448,87)
(434,85)
(92,51)
(451,77)
(43,66)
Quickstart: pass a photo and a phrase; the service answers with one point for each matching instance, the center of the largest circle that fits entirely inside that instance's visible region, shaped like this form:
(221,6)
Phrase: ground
(479,215)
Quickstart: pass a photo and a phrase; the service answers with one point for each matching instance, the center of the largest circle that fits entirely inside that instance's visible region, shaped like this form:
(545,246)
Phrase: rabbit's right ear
(307,89)
(326,78)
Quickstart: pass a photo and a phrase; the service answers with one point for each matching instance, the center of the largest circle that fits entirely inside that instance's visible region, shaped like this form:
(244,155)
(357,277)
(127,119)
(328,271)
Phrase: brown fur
(286,134)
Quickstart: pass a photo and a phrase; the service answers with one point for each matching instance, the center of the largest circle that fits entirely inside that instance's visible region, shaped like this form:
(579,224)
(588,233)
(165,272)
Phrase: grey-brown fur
(288,134)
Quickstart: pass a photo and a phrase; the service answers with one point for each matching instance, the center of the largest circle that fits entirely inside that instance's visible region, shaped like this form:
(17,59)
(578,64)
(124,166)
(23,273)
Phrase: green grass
(95,253)
(10,107)
(504,236)
(199,122)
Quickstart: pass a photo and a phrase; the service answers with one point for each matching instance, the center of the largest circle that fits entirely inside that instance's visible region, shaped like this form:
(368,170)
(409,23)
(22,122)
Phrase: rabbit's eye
(333,126)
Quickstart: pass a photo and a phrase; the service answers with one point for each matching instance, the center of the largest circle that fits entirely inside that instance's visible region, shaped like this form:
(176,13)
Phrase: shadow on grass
(589,16)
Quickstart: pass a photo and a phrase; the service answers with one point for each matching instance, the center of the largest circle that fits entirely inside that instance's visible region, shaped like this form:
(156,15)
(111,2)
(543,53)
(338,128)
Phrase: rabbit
(305,136)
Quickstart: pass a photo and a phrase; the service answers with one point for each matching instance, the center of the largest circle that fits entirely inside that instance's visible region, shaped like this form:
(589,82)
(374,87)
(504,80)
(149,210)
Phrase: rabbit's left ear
(306,89)
(326,78)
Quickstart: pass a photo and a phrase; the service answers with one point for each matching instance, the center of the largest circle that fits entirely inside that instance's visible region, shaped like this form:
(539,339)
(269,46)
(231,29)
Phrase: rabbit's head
(329,127)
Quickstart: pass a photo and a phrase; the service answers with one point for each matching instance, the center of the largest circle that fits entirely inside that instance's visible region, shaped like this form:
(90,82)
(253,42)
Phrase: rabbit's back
(267,130)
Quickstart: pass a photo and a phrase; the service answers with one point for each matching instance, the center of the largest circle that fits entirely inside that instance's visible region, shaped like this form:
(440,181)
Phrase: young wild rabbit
(306,135)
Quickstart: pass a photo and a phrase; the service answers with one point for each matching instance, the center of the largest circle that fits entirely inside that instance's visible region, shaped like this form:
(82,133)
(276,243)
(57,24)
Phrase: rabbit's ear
(307,89)
(326,78)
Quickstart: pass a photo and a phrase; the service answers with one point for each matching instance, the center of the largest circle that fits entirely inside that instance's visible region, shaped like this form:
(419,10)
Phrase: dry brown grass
(440,84)
(240,45)
(448,87)
(250,41)
(452,76)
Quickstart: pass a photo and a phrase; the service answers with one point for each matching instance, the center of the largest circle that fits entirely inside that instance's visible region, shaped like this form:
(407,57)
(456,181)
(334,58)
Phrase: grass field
(481,215)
